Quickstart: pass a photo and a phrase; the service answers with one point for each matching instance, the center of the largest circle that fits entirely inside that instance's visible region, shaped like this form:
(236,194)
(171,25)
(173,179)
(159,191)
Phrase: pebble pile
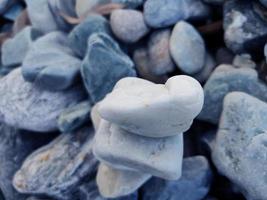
(133,99)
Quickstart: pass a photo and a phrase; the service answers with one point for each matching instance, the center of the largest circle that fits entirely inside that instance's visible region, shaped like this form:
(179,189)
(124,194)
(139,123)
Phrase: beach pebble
(74,117)
(244,28)
(163,13)
(114,183)
(15,49)
(95,117)
(50,63)
(225,79)
(79,36)
(144,67)
(26,106)
(134,103)
(58,168)
(187,48)
(128,25)
(159,53)
(239,151)
(100,75)
(161,157)
(194,183)
(15,146)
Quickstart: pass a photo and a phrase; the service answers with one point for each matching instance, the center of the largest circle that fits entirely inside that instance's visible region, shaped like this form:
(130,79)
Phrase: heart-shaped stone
(153,110)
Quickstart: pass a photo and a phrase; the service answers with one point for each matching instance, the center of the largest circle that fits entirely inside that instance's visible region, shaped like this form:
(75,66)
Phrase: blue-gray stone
(45,14)
(187,48)
(245,28)
(13,12)
(26,106)
(193,185)
(240,147)
(15,146)
(104,65)
(264,2)
(163,13)
(79,36)
(50,63)
(15,49)
(225,79)
(74,117)
(57,169)
(128,25)
(3,5)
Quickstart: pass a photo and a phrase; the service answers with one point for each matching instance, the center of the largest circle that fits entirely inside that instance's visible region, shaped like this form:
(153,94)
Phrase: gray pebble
(58,168)
(15,146)
(100,75)
(193,185)
(79,36)
(161,157)
(225,79)
(50,63)
(74,117)
(163,13)
(187,48)
(26,106)
(114,183)
(159,53)
(244,28)
(15,49)
(239,152)
(144,67)
(244,60)
(128,25)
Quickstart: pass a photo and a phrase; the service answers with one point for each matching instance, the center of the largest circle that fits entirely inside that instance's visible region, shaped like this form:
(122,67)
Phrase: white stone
(113,183)
(161,157)
(153,110)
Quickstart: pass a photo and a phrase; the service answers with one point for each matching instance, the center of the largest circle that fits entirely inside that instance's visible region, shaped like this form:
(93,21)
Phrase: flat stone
(41,16)
(74,117)
(159,54)
(245,29)
(56,169)
(187,48)
(128,25)
(240,150)
(144,67)
(135,104)
(161,157)
(89,191)
(193,185)
(50,63)
(79,36)
(225,79)
(114,183)
(15,146)
(163,13)
(100,75)
(26,106)
(15,49)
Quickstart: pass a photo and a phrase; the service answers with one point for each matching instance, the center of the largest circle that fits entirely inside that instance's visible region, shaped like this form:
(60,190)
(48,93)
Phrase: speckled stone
(128,25)
(239,151)
(225,79)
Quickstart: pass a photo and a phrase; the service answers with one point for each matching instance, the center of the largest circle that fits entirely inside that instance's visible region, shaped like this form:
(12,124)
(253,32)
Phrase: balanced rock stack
(140,131)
